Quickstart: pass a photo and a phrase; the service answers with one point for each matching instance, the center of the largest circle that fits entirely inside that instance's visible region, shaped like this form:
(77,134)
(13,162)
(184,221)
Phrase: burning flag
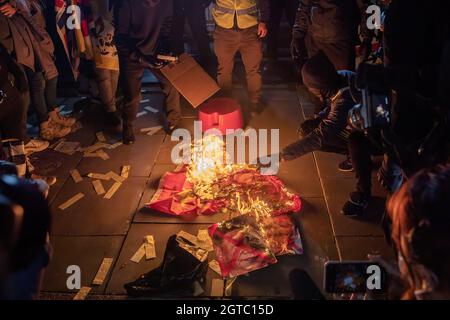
(259,228)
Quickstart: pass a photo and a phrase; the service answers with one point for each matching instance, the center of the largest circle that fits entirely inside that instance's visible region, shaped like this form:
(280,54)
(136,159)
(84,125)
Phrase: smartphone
(353,277)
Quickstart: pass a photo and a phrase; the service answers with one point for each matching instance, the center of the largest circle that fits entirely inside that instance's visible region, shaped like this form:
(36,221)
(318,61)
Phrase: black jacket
(331,21)
(143,27)
(332,133)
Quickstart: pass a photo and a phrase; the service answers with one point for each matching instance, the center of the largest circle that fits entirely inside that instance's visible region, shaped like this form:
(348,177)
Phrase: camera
(372,90)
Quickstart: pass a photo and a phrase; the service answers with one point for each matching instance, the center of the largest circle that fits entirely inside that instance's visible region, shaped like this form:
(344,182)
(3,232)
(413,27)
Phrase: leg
(172,100)
(107,89)
(178,20)
(37,88)
(359,149)
(50,93)
(276,13)
(226,44)
(251,52)
(197,21)
(132,73)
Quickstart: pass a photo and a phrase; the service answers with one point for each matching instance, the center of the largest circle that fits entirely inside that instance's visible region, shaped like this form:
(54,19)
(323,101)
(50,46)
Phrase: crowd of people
(392,79)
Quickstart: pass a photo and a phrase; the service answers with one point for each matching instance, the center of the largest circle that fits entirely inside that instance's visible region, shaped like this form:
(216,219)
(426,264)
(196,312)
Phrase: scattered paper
(204,240)
(67,147)
(71,201)
(82,293)
(99,176)
(112,190)
(125,171)
(100,136)
(115,176)
(115,145)
(145,100)
(76,176)
(139,254)
(217,288)
(151,109)
(57,143)
(97,154)
(102,271)
(95,147)
(98,187)
(214,265)
(191,244)
(142,113)
(150,252)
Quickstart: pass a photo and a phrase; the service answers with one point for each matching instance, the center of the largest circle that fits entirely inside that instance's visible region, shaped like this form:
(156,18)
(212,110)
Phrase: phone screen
(348,277)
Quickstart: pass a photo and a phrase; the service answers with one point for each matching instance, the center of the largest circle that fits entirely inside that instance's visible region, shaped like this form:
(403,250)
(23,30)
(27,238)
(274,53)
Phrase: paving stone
(139,155)
(126,270)
(327,164)
(85,252)
(94,215)
(337,191)
(301,176)
(357,248)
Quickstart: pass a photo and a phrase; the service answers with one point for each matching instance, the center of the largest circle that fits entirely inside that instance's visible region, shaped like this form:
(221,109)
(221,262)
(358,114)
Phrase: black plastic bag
(176,275)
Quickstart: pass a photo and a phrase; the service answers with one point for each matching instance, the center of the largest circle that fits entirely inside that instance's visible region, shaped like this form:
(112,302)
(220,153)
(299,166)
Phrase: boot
(127,133)
(58,118)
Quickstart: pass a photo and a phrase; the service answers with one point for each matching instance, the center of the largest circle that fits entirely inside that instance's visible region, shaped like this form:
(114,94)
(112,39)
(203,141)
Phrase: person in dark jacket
(23,34)
(332,27)
(143,29)
(277,8)
(194,13)
(331,133)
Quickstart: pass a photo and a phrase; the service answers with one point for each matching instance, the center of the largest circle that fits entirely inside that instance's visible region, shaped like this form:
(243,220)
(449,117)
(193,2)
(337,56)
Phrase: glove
(298,48)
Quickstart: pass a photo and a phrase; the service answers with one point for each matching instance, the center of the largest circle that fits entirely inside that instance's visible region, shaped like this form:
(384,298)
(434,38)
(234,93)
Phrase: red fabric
(173,195)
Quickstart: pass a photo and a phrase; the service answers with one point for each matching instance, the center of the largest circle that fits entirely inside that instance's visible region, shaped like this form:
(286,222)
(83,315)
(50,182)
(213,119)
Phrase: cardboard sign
(191,81)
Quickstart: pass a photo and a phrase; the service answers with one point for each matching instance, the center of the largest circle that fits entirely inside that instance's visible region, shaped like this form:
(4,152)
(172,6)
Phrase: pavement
(94,228)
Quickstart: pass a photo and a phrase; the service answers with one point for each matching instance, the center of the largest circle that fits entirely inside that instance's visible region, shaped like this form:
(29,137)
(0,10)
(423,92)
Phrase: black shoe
(112,119)
(308,126)
(171,128)
(356,205)
(346,165)
(128,134)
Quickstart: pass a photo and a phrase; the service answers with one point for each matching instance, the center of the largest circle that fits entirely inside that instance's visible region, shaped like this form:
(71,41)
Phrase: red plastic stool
(221,114)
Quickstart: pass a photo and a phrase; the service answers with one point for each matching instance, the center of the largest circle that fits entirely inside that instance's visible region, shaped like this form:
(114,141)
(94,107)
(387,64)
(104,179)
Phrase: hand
(298,48)
(8,10)
(262,29)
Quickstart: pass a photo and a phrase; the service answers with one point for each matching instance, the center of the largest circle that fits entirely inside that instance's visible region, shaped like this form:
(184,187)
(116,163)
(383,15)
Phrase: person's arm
(302,19)
(264,17)
(331,129)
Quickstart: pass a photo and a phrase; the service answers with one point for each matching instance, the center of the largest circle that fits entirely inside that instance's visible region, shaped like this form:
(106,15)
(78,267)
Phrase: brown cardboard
(191,81)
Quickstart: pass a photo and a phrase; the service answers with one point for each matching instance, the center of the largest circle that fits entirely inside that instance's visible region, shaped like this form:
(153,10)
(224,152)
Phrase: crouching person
(329,132)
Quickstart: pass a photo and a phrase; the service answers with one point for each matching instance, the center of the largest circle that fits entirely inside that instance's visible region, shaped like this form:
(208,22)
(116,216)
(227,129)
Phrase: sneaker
(58,118)
(128,134)
(46,131)
(356,205)
(346,165)
(50,130)
(36,145)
